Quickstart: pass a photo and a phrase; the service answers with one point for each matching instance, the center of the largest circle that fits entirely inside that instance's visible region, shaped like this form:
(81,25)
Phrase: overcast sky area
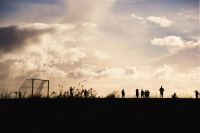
(106,45)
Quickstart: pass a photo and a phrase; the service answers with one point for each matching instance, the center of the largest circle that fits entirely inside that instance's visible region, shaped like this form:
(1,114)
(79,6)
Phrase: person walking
(142,93)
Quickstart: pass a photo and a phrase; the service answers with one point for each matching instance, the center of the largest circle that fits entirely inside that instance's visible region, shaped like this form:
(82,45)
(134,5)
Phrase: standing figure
(71,91)
(196,94)
(142,93)
(145,94)
(123,93)
(137,93)
(161,91)
(148,93)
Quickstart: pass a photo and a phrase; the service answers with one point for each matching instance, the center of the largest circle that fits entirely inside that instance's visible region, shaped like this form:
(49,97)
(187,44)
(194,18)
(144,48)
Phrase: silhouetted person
(142,93)
(123,93)
(71,91)
(161,91)
(196,94)
(174,95)
(137,93)
(147,93)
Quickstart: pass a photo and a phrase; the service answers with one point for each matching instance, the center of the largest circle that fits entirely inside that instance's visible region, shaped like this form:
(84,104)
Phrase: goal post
(34,88)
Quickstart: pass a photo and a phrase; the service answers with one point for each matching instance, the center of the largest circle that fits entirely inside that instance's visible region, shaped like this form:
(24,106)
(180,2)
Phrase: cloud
(189,14)
(173,41)
(87,10)
(192,17)
(89,25)
(45,26)
(140,19)
(56,11)
(63,46)
(55,51)
(31,69)
(37,49)
(185,57)
(179,14)
(120,73)
(94,72)
(14,37)
(164,72)
(102,55)
(162,21)
(73,55)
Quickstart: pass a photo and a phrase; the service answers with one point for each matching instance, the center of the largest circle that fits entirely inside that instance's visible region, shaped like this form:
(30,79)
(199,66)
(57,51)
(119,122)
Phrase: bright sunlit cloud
(162,21)
(168,41)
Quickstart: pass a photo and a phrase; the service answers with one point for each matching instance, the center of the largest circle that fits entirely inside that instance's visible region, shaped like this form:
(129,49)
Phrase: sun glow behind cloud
(98,41)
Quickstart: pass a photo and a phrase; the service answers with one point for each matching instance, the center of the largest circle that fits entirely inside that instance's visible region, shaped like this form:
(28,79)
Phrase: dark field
(56,115)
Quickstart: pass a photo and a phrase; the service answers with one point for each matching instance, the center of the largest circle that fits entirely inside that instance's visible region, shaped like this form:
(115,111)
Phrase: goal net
(34,88)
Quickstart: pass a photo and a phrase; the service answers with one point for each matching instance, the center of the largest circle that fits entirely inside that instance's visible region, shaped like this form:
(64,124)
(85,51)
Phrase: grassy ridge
(167,108)
(60,113)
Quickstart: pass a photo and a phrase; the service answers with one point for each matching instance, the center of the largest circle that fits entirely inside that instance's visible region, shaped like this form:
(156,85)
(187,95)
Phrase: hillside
(55,114)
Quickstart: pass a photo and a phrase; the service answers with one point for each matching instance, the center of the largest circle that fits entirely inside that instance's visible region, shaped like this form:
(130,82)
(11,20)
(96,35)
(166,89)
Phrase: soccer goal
(34,88)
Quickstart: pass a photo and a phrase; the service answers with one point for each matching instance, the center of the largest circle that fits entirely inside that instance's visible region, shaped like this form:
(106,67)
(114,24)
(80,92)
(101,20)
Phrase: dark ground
(62,115)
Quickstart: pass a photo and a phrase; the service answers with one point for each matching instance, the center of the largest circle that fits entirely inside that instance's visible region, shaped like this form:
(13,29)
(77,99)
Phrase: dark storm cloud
(12,37)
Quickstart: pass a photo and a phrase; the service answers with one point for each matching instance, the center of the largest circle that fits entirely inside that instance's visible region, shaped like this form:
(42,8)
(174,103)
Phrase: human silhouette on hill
(196,94)
(174,95)
(161,91)
(147,93)
(123,93)
(142,93)
(71,91)
(137,93)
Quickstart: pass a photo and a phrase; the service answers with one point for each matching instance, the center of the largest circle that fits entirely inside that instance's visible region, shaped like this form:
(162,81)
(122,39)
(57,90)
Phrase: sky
(107,45)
